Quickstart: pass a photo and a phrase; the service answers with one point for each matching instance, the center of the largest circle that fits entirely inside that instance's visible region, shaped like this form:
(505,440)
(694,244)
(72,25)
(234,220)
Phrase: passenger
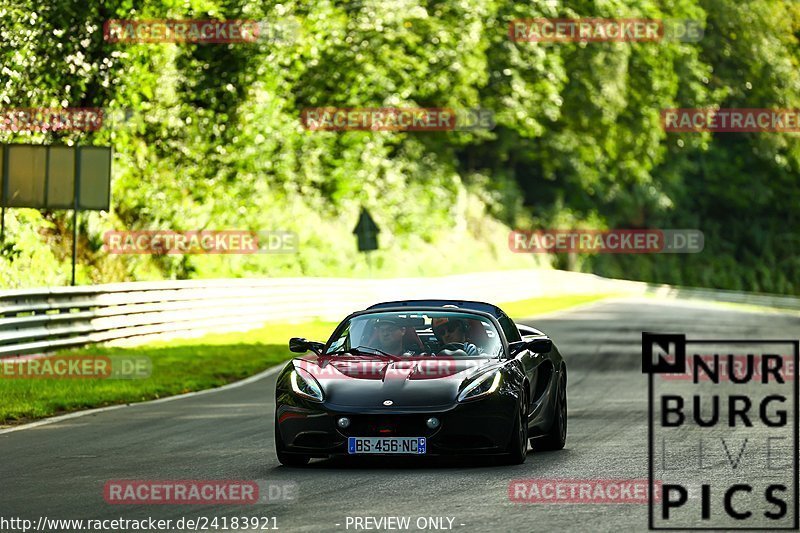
(454,331)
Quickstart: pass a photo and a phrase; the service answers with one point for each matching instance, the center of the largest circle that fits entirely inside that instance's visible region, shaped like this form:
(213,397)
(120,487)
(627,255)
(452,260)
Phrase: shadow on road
(475,463)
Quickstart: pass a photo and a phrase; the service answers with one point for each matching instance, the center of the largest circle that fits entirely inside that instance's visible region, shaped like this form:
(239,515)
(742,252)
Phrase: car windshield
(409,333)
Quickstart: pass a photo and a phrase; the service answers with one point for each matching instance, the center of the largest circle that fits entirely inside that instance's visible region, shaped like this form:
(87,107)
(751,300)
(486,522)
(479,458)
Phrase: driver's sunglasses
(449,327)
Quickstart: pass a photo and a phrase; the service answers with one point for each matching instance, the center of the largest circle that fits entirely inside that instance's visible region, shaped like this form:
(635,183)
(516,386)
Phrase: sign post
(366,232)
(56,177)
(75,209)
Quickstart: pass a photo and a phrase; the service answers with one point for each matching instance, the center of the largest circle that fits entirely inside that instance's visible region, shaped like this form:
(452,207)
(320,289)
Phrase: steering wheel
(453,346)
(453,349)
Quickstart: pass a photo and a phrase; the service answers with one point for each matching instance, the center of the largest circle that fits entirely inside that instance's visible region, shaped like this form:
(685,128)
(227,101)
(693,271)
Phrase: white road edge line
(52,420)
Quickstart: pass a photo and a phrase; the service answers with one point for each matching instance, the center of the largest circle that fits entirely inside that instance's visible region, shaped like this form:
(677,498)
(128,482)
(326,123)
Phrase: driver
(454,331)
(391,337)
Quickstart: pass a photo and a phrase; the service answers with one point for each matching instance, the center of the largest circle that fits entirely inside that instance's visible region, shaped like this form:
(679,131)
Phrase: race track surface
(59,470)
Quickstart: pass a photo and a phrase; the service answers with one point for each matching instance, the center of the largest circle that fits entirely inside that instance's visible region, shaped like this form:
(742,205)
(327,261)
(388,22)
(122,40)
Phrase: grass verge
(185,365)
(178,366)
(538,306)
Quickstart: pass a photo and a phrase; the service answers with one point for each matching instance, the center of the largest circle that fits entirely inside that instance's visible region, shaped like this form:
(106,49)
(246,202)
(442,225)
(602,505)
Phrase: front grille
(388,426)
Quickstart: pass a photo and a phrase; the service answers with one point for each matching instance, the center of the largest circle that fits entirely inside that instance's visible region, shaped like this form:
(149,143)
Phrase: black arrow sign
(366,232)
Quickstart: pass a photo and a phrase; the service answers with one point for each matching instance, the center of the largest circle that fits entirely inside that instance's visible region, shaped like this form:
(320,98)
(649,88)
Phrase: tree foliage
(209,136)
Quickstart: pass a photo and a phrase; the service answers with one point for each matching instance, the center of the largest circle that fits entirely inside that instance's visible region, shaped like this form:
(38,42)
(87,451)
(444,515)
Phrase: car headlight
(305,385)
(482,386)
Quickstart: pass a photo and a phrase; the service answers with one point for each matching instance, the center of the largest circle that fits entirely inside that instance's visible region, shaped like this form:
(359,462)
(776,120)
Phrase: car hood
(413,382)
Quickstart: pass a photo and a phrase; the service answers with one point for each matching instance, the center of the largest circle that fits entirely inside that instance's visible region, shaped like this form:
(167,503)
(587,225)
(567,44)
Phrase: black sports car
(424,377)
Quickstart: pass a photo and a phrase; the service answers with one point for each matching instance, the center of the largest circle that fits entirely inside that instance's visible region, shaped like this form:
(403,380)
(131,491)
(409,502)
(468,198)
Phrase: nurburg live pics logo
(723,444)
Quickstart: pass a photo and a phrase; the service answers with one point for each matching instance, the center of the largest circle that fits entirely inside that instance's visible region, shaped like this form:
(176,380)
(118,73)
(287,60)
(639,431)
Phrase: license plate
(409,445)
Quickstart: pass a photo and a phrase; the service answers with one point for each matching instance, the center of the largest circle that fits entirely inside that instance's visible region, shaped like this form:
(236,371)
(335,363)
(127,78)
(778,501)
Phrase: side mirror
(540,346)
(301,345)
(515,347)
(536,346)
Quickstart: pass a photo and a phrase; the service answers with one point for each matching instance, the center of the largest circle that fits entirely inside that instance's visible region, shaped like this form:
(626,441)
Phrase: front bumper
(481,426)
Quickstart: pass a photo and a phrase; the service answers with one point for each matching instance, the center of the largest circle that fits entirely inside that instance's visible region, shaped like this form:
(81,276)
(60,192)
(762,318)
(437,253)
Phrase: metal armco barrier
(44,320)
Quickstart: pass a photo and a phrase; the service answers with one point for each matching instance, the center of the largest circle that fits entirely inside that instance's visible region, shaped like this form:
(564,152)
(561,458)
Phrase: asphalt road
(59,470)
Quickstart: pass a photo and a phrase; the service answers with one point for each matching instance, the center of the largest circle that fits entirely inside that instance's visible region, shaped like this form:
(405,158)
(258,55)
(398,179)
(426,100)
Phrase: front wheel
(556,438)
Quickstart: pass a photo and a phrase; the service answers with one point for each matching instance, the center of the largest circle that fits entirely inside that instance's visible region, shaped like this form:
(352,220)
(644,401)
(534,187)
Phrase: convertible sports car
(422,377)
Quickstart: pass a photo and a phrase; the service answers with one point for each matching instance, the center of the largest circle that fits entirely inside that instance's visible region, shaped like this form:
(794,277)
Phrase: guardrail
(49,319)
(43,320)
(719,295)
